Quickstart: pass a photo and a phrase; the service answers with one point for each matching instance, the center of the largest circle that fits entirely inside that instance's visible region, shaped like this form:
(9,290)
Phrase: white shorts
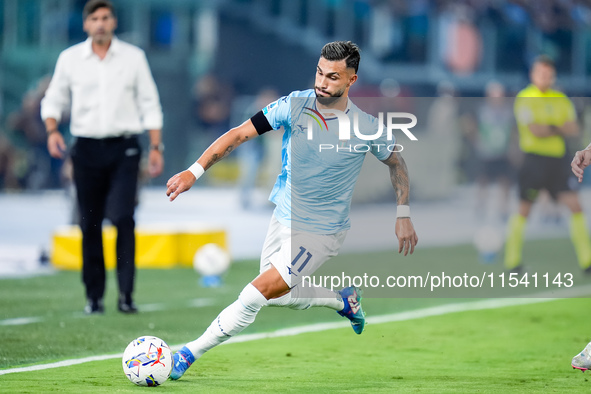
(296,254)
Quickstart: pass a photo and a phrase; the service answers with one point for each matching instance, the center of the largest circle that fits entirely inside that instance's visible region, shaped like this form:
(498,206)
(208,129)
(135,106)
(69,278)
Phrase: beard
(330,100)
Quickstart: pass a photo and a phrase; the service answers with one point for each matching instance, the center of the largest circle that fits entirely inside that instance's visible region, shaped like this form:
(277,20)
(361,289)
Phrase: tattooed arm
(221,148)
(405,232)
(399,177)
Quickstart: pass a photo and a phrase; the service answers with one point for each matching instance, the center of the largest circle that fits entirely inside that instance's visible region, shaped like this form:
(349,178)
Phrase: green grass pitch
(513,349)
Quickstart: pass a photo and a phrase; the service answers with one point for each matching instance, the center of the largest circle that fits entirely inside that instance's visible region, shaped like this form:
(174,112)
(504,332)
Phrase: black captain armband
(260,122)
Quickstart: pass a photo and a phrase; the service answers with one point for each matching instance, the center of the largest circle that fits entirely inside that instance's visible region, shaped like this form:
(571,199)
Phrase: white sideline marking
(65,363)
(400,316)
(393,317)
(20,321)
(201,302)
(194,303)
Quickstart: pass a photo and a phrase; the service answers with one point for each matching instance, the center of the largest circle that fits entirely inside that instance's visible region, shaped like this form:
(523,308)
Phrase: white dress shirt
(110,97)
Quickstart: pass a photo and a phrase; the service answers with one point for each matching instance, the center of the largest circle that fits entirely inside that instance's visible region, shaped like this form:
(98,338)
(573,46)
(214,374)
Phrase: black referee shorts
(543,172)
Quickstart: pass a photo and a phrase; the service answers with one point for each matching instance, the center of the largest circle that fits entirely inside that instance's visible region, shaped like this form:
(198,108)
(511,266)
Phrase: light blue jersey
(318,174)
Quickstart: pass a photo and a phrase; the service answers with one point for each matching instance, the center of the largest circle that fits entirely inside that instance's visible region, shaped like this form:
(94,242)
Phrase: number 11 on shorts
(299,256)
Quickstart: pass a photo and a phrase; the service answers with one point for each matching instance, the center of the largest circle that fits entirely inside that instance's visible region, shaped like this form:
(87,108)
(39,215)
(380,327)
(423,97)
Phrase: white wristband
(403,211)
(197,170)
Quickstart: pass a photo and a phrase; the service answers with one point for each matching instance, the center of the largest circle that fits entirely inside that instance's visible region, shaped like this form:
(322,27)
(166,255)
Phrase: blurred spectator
(8,160)
(42,171)
(461,42)
(444,137)
(495,126)
(211,111)
(250,156)
(399,30)
(213,99)
(512,37)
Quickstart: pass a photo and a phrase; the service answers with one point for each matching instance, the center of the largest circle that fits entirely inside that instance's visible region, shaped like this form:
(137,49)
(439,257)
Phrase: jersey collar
(334,117)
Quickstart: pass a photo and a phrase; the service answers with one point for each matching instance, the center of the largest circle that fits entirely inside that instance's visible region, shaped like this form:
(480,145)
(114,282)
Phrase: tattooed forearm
(226,143)
(215,157)
(399,178)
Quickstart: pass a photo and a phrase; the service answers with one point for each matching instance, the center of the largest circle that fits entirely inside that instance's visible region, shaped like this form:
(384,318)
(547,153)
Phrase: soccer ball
(211,260)
(488,242)
(147,361)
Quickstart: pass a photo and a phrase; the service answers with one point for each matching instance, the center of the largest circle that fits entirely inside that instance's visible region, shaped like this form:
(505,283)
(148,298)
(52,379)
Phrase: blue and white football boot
(182,360)
(352,298)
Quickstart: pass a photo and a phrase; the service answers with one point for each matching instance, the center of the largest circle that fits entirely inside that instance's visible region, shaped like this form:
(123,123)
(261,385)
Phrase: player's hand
(155,163)
(179,183)
(407,237)
(56,145)
(581,160)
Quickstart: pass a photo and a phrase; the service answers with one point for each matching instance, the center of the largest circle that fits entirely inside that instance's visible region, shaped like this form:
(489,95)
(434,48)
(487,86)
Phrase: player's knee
(272,290)
(271,284)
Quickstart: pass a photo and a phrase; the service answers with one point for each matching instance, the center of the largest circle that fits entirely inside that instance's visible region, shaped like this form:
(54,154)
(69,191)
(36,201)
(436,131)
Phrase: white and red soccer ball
(147,361)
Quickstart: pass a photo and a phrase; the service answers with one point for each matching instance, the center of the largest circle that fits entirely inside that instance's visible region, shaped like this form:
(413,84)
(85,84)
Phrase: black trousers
(106,170)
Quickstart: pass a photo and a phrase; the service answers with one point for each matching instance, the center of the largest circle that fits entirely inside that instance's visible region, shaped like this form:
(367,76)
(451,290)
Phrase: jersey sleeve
(381,147)
(273,116)
(278,113)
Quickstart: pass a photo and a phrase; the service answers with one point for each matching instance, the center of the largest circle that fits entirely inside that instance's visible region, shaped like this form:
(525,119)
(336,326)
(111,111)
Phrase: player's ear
(352,79)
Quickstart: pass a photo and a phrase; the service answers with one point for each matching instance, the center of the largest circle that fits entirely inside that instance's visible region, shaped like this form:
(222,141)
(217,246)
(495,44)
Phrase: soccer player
(581,161)
(312,197)
(582,361)
(544,118)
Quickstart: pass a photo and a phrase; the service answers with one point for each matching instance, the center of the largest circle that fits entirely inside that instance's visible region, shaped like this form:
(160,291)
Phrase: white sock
(301,299)
(232,320)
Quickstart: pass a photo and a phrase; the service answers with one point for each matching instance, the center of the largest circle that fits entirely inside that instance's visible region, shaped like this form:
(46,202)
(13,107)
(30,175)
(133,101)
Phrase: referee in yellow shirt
(544,117)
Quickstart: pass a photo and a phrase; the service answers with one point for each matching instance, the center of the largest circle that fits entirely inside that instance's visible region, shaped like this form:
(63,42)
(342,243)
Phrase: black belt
(109,139)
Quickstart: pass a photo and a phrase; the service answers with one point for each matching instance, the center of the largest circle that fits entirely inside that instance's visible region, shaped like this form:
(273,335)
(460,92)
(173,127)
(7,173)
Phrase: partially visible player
(312,197)
(581,161)
(544,118)
(582,361)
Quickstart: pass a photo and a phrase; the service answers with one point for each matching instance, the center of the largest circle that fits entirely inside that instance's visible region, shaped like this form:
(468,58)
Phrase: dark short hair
(545,60)
(93,5)
(342,50)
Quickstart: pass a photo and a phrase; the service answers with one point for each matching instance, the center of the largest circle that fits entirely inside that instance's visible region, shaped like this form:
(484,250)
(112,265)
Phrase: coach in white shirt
(113,99)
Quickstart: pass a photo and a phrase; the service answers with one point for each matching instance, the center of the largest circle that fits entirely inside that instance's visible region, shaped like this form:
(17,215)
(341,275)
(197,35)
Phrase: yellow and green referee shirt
(547,108)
